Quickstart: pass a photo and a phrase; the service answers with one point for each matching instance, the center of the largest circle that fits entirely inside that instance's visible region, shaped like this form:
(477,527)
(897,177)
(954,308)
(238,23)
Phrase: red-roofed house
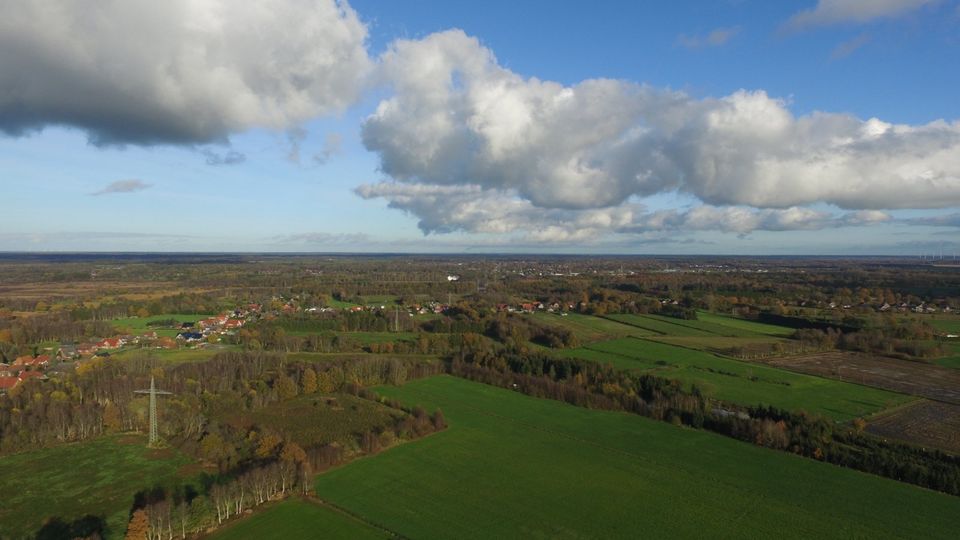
(233,323)
(24,375)
(22,360)
(110,343)
(39,361)
(6,383)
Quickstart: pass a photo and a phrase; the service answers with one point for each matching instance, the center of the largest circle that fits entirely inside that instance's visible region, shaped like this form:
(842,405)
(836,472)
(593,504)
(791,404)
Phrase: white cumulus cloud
(460,127)
(178,71)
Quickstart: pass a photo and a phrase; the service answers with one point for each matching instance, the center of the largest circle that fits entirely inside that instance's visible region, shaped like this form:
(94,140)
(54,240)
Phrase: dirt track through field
(915,378)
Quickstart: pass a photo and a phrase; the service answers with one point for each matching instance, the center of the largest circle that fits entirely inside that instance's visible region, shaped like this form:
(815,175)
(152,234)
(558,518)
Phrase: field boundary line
(352,515)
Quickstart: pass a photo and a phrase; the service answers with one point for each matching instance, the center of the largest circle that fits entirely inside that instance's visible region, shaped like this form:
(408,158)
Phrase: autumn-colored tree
(139,526)
(269,442)
(309,381)
(286,387)
(439,422)
(293,452)
(111,417)
(325,383)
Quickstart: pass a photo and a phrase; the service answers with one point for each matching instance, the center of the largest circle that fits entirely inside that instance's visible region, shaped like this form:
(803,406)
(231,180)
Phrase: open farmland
(722,344)
(589,329)
(744,325)
(297,518)
(742,382)
(926,423)
(317,419)
(664,327)
(916,378)
(512,466)
(97,477)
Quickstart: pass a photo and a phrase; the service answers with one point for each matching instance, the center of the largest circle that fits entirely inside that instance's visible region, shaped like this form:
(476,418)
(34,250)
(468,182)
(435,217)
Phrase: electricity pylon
(154,436)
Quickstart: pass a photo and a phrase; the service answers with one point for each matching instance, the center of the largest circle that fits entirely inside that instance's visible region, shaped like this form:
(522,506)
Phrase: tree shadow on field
(86,527)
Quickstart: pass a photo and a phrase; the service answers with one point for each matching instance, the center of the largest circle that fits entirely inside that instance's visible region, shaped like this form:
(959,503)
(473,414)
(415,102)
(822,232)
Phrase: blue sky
(337,169)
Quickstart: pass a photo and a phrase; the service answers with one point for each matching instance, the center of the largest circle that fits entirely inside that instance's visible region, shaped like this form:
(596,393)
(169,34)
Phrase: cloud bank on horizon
(466,144)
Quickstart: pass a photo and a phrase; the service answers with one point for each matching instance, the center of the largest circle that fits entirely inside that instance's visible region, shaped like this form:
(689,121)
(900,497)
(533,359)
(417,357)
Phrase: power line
(154,439)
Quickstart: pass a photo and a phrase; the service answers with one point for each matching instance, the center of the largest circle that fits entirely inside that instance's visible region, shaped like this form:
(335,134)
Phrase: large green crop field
(511,466)
(296,518)
(741,324)
(97,477)
(658,326)
(706,325)
(588,328)
(742,382)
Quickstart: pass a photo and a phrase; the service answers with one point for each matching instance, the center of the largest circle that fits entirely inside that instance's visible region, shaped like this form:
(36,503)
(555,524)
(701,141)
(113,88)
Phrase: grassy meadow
(512,466)
(97,477)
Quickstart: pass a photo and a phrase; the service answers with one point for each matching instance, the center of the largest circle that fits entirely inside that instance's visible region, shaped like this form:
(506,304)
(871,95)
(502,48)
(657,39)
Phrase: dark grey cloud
(947,220)
(178,71)
(123,186)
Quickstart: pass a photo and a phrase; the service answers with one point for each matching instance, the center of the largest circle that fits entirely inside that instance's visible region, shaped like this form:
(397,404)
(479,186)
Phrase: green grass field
(742,324)
(742,382)
(952,360)
(139,325)
(949,325)
(315,419)
(706,325)
(334,303)
(511,466)
(97,477)
(295,519)
(379,299)
(658,326)
(588,328)
(717,343)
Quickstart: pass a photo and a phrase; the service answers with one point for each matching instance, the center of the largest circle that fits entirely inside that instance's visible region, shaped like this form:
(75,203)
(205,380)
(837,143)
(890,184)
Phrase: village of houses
(189,334)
